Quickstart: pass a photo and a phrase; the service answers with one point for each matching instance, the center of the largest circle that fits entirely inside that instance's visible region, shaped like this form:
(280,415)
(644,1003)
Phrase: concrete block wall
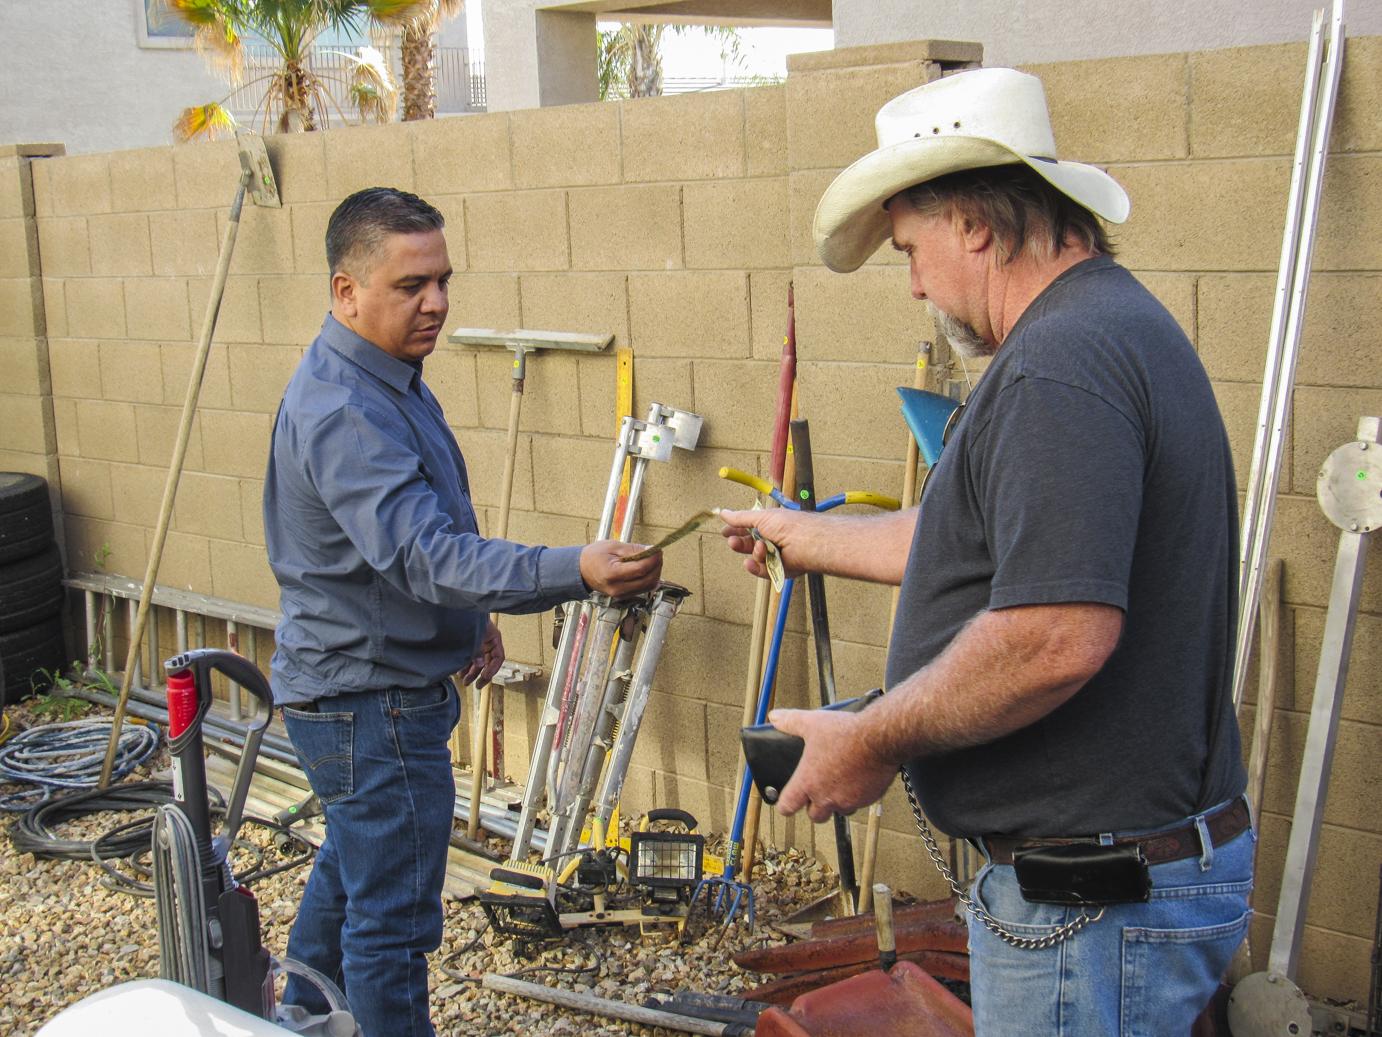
(677,225)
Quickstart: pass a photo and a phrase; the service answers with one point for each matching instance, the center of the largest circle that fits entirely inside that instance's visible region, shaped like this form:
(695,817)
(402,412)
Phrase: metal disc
(1266,1004)
(1349,487)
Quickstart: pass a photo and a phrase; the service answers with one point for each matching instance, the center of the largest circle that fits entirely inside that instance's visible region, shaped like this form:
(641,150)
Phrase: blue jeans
(1141,970)
(379,762)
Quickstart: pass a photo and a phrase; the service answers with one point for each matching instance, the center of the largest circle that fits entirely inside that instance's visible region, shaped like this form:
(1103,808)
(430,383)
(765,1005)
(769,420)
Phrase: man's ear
(975,236)
(343,294)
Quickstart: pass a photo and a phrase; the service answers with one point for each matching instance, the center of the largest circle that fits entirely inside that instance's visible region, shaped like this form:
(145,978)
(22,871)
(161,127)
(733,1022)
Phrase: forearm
(860,547)
(1004,671)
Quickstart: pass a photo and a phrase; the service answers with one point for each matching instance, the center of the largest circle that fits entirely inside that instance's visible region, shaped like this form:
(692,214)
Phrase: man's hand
(603,569)
(838,773)
(787,529)
(487,660)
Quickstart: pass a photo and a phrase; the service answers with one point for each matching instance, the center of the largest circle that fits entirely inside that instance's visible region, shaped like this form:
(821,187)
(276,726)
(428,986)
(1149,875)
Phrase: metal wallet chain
(1026,943)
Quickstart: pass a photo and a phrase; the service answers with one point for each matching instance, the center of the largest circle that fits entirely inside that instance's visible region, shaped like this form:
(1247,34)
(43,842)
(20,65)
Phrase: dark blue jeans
(380,764)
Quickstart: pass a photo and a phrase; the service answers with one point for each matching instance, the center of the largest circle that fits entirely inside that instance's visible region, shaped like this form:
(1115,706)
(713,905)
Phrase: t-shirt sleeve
(1059,472)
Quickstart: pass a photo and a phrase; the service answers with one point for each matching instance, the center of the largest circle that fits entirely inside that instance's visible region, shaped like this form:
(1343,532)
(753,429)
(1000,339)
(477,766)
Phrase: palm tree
(630,57)
(419,47)
(296,97)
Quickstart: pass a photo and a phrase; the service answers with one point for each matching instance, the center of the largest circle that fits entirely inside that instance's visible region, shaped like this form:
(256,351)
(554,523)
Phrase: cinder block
(545,530)
(264,244)
(76,185)
(450,374)
(1246,100)
(40,175)
(804,190)
(768,312)
(107,431)
(685,484)
(523,643)
(690,314)
(367,156)
(186,565)
(299,164)
(120,245)
(852,407)
(1309,542)
(138,491)
(1360,95)
(115,548)
(54,306)
(654,381)
(259,374)
(309,237)
(240,573)
(835,474)
(1323,419)
(858,614)
(904,865)
(157,429)
(696,136)
(293,308)
(510,232)
(765,131)
(736,223)
(573,144)
(252,507)
(1365,658)
(16,188)
(206,174)
(681,564)
(65,424)
(1118,109)
(235,443)
(156,308)
(737,398)
(471,153)
(19,301)
(1352,778)
(711,804)
(142,180)
(1352,198)
(571,475)
(595,304)
(482,301)
(22,371)
(729,590)
(1238,404)
(830,113)
(64,246)
(95,307)
(484,452)
(673,738)
(24,428)
(550,397)
(1243,200)
(1177,293)
(238,319)
(86,488)
(208,505)
(627,228)
(864,317)
(177,370)
(18,248)
(131,371)
(184,242)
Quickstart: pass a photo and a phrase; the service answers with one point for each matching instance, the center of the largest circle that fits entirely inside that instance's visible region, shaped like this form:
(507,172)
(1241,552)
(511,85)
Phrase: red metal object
(924,911)
(812,955)
(182,702)
(905,1002)
(941,964)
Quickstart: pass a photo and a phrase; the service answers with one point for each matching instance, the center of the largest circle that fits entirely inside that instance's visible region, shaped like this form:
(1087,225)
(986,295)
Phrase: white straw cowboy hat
(984,117)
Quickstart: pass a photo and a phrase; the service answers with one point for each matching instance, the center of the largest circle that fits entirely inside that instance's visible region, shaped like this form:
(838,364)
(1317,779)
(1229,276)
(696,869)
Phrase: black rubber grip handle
(236,667)
(672,814)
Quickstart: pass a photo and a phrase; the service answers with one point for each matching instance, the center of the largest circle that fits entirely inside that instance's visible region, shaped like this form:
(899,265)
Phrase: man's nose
(434,299)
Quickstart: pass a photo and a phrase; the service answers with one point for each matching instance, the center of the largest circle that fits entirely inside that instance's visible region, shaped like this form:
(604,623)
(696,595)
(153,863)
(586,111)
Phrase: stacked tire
(31,594)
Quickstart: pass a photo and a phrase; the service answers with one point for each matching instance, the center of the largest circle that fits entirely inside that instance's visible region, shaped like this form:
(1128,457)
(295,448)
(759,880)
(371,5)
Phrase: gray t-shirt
(1090,465)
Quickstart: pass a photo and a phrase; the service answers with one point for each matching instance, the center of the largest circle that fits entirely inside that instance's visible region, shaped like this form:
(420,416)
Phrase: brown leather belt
(1172,844)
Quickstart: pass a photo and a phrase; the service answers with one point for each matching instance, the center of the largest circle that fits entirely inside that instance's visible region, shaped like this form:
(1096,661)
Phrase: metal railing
(460,80)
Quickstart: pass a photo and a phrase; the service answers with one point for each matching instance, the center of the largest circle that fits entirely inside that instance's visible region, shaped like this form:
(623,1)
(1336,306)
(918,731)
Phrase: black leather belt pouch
(1082,874)
(773,755)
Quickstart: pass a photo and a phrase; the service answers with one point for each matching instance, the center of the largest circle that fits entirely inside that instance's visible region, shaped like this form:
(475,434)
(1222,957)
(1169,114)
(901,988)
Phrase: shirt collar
(394,372)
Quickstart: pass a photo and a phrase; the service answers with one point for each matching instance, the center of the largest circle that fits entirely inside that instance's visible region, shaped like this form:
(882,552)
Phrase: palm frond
(372,89)
(206,121)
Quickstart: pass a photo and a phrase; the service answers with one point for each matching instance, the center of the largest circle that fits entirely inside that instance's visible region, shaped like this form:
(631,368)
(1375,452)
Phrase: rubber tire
(24,652)
(30,590)
(26,516)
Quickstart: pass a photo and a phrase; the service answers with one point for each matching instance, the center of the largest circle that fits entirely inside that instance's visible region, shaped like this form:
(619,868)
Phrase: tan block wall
(676,224)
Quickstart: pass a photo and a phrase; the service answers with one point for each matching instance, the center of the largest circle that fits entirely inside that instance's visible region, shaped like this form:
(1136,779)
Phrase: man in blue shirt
(386,586)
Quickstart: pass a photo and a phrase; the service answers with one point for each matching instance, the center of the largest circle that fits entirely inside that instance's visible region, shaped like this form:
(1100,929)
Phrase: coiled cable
(184,953)
(68,756)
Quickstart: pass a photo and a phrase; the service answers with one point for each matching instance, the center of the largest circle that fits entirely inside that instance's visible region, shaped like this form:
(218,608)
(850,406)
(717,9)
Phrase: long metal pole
(170,486)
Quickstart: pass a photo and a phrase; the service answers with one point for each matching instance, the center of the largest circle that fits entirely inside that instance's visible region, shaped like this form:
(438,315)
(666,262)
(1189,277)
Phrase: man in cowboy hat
(1059,673)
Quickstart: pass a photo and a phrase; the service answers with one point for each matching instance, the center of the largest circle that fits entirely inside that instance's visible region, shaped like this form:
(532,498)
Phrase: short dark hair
(361,223)
(1020,207)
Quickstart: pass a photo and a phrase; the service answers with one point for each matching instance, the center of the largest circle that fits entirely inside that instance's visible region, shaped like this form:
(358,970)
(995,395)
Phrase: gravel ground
(64,934)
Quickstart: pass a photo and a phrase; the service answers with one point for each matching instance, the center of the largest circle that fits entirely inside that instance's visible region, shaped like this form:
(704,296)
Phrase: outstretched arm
(860,547)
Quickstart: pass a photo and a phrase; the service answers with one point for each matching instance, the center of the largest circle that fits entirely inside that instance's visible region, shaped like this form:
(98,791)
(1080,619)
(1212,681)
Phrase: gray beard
(962,338)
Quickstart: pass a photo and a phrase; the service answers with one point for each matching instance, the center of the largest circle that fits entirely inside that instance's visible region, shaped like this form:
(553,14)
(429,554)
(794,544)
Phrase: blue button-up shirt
(385,581)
